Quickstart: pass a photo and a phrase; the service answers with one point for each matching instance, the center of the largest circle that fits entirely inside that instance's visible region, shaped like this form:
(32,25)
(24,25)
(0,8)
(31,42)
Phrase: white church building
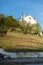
(28,19)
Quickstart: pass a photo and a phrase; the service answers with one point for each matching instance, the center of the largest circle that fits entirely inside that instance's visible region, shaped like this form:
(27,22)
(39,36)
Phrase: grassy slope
(21,41)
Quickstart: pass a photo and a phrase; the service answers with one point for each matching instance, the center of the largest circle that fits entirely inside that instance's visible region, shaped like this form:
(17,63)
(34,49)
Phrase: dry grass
(21,41)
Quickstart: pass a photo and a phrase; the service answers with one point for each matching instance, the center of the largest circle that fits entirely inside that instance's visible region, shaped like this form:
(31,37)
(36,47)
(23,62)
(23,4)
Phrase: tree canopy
(6,22)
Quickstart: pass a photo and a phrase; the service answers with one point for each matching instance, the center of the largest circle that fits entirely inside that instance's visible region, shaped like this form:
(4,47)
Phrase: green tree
(2,24)
(24,26)
(11,22)
(35,28)
(6,23)
(38,27)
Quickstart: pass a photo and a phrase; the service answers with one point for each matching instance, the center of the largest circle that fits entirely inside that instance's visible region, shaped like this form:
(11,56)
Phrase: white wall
(28,19)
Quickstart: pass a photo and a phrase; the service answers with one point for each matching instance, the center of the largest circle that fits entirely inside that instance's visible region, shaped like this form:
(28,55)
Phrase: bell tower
(23,16)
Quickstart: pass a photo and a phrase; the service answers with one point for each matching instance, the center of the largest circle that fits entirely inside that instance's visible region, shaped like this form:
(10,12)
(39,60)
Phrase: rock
(7,57)
(1,55)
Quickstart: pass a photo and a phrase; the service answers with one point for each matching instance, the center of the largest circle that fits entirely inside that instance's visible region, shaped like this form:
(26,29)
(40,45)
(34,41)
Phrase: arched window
(29,17)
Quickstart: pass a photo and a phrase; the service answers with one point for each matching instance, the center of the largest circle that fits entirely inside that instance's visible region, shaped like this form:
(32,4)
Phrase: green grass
(18,41)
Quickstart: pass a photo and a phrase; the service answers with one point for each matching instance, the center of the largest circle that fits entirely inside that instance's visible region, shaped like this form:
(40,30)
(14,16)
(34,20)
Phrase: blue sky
(17,7)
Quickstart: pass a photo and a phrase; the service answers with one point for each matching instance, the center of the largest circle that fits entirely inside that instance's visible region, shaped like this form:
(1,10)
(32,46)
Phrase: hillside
(14,41)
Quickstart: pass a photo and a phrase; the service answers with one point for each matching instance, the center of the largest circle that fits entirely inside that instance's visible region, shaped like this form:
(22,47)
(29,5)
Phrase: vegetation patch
(15,41)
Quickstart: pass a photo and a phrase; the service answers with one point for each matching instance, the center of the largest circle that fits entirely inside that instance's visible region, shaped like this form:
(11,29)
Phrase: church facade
(28,19)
